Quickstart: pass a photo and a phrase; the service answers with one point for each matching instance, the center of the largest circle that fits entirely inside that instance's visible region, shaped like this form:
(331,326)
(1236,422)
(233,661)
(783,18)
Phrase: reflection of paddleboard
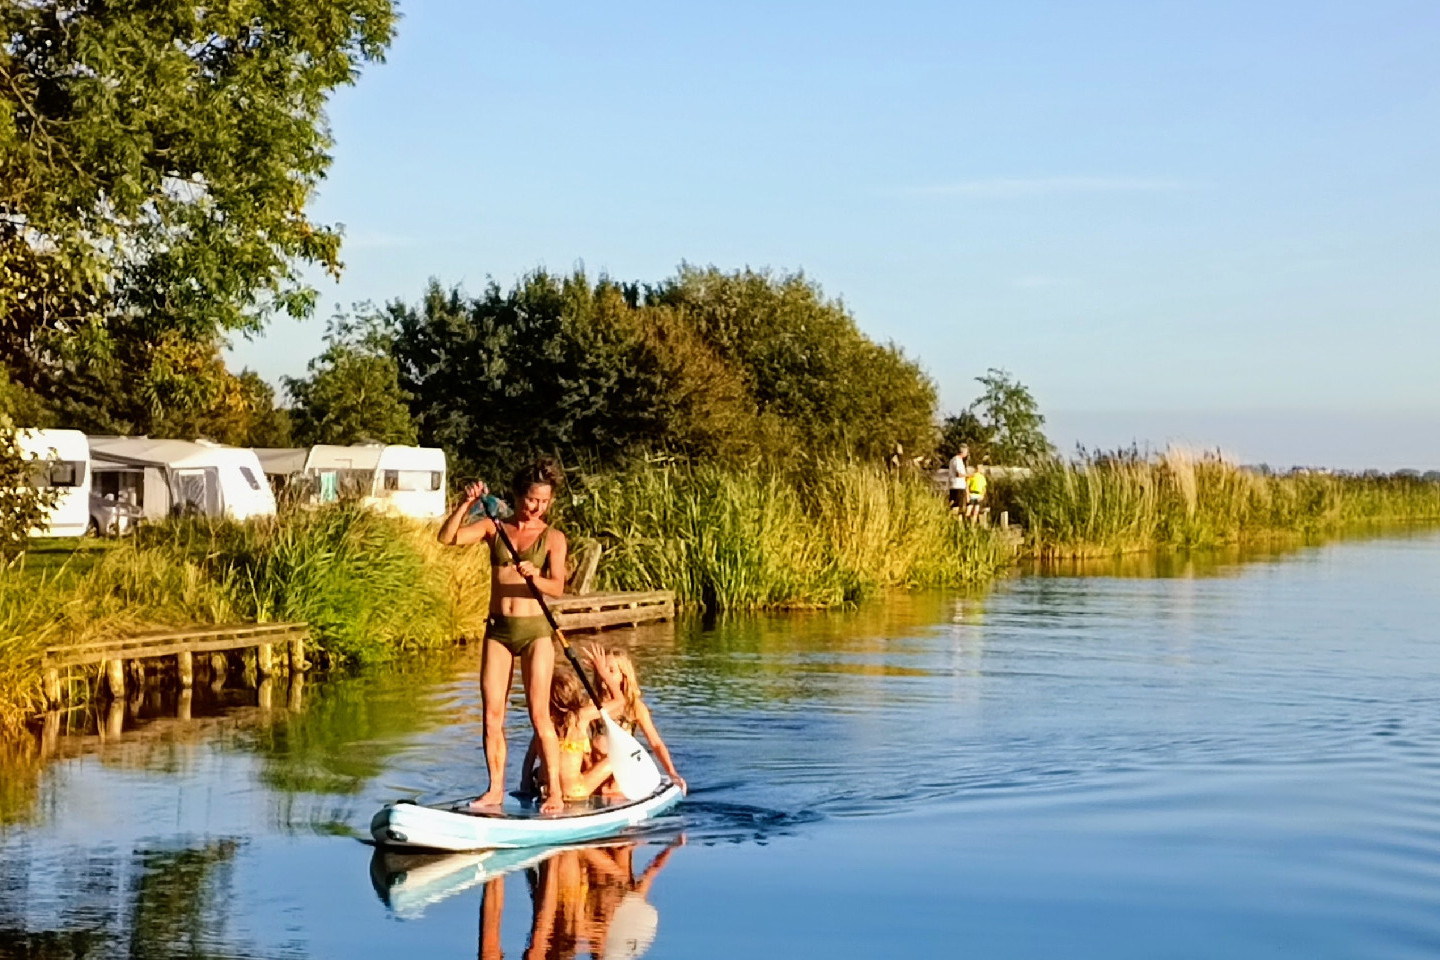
(409,882)
(455,827)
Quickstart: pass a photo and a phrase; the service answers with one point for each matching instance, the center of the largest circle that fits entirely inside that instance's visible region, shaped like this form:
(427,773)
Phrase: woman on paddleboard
(516,627)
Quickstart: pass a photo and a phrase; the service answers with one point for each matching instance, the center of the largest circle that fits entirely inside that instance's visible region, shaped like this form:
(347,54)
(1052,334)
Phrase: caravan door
(196,491)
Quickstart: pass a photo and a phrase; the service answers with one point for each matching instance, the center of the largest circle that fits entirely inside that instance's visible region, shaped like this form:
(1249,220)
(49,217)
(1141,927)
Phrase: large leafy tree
(155,163)
(352,393)
(554,365)
(806,362)
(706,365)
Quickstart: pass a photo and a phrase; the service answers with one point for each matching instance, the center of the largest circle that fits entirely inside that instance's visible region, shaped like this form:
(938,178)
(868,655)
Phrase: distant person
(956,469)
(516,628)
(975,485)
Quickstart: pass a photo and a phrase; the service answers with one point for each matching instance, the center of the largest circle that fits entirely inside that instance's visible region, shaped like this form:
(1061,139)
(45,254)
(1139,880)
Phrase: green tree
(1004,423)
(560,365)
(805,361)
(156,161)
(352,393)
(966,429)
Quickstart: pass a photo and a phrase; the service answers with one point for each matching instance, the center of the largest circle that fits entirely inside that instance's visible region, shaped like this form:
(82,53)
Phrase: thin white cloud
(1014,188)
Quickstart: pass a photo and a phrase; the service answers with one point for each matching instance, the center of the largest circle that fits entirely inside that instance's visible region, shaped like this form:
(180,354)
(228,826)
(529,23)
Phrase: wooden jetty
(601,611)
(183,645)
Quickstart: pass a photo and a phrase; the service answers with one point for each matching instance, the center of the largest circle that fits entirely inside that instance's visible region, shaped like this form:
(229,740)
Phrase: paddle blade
(633,768)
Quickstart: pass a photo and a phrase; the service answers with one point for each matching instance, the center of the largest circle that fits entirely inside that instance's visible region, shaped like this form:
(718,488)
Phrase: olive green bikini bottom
(516,633)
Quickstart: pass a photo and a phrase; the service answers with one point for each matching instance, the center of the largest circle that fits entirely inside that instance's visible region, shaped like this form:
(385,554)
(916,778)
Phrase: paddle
(635,772)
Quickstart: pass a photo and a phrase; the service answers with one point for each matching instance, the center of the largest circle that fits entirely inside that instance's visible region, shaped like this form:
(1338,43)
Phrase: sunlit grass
(1108,504)
(730,539)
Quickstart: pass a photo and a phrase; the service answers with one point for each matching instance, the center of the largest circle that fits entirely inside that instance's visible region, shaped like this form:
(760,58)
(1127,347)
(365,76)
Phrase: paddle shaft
(544,607)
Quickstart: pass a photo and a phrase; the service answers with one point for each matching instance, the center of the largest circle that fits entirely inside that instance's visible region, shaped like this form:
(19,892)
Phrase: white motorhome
(408,481)
(67,469)
(160,478)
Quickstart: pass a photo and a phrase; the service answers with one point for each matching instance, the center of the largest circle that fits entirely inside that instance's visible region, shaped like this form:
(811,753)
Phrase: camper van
(408,481)
(160,478)
(66,468)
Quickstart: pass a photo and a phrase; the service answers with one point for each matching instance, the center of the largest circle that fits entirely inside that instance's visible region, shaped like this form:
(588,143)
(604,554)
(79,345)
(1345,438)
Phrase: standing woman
(516,627)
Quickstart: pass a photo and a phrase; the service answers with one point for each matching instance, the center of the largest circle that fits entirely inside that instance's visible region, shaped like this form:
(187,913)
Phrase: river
(1226,756)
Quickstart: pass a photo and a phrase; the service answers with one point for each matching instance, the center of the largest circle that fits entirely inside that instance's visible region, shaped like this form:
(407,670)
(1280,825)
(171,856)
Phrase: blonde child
(617,672)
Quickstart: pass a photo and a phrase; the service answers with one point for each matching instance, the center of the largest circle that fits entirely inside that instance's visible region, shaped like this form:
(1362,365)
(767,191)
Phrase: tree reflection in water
(585,900)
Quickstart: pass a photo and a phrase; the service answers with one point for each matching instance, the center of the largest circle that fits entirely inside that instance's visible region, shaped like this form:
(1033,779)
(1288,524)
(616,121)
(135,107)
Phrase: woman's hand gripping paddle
(634,770)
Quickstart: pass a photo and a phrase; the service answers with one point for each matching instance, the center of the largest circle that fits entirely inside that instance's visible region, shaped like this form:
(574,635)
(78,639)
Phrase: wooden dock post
(265,693)
(50,734)
(182,708)
(115,719)
(219,667)
(297,656)
(185,667)
(52,688)
(295,702)
(115,679)
(264,660)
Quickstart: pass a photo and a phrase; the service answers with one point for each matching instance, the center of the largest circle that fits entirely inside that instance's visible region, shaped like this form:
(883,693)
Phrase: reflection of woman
(585,900)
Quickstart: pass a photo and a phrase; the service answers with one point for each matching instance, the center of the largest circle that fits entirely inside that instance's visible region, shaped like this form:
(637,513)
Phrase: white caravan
(408,481)
(67,469)
(160,478)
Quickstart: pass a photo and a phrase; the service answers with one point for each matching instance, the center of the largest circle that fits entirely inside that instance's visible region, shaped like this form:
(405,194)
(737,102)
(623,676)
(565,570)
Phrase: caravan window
(249,476)
(411,480)
(59,473)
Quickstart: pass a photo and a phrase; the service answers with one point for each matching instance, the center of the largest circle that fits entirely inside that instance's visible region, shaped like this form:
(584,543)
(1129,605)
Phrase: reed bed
(1111,504)
(725,539)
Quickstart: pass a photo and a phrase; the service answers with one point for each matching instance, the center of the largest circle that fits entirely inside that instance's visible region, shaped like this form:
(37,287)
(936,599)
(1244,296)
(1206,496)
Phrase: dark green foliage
(708,365)
(353,393)
(805,361)
(156,160)
(966,429)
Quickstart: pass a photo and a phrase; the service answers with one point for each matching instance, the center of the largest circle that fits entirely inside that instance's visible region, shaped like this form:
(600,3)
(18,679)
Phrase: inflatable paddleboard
(456,827)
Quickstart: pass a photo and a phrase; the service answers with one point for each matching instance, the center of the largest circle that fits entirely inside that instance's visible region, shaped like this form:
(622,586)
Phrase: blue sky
(1216,223)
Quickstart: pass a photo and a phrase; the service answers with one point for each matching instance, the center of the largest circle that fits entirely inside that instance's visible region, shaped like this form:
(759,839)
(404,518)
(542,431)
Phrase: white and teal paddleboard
(454,826)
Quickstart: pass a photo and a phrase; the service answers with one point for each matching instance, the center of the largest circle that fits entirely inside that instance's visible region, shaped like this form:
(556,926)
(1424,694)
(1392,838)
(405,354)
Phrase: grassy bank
(744,540)
(370,587)
(1105,505)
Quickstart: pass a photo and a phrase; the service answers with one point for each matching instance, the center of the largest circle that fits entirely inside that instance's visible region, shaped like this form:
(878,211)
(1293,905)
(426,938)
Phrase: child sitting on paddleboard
(617,672)
(584,763)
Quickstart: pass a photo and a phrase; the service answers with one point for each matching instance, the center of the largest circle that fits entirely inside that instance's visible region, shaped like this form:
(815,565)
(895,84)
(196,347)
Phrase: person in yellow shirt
(975,484)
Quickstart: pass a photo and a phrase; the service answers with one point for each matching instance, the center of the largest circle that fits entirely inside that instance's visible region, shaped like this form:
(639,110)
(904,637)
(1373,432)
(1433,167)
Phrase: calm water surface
(1179,759)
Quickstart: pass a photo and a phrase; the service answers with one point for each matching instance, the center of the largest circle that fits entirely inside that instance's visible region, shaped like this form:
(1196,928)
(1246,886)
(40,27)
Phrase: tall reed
(1118,503)
(731,539)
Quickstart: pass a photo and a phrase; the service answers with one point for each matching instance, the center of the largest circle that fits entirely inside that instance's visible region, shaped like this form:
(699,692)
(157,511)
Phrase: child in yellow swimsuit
(582,772)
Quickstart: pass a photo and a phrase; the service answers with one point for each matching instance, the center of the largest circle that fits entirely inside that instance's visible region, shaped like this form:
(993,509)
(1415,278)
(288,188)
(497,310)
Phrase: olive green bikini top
(537,553)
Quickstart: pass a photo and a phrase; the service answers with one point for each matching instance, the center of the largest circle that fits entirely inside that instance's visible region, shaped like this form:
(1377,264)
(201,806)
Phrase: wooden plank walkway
(182,644)
(600,611)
